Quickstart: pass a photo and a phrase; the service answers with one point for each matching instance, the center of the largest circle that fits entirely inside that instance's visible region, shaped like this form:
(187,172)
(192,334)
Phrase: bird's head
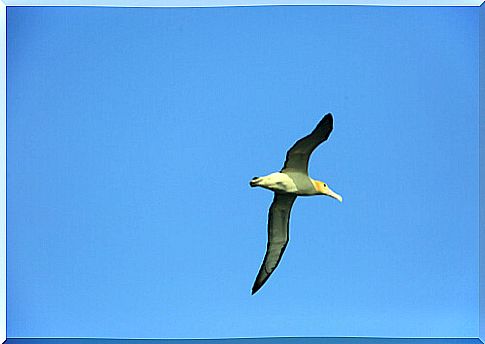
(323,189)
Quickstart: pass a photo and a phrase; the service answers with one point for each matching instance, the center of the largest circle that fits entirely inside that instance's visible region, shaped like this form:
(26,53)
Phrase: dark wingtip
(327,120)
(255,288)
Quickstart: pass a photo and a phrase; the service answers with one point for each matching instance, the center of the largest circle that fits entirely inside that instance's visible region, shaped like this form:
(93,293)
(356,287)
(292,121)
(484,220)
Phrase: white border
(227,3)
(3,173)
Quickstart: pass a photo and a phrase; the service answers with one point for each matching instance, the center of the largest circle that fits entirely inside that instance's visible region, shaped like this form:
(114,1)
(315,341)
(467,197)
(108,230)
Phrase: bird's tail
(254,182)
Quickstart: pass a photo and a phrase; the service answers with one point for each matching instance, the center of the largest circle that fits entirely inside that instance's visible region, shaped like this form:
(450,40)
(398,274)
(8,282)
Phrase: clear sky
(133,133)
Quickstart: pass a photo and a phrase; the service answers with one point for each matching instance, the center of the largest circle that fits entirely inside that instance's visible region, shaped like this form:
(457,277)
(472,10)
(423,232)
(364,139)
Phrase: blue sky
(133,133)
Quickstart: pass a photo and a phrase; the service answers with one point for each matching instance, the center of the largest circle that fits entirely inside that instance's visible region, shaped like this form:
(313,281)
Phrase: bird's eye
(324,185)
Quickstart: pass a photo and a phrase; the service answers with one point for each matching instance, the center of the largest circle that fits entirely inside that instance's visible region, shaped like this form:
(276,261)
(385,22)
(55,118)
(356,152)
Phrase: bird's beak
(334,195)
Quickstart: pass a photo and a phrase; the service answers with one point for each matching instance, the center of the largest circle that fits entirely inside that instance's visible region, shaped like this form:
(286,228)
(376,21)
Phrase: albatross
(292,181)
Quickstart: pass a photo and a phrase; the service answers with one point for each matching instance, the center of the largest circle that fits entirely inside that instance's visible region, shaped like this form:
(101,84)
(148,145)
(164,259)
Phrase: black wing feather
(278,236)
(298,156)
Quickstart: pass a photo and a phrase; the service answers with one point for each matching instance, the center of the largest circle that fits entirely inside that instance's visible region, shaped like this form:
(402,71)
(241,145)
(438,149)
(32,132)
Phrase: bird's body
(292,181)
(296,183)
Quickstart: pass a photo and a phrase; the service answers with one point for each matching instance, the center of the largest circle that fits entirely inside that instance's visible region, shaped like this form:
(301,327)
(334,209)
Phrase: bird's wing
(278,229)
(297,156)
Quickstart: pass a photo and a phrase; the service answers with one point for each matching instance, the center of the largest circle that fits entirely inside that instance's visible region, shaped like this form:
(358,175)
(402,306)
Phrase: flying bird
(290,182)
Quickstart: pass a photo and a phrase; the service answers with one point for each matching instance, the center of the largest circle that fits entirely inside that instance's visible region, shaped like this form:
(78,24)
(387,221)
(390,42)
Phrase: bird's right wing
(278,230)
(298,155)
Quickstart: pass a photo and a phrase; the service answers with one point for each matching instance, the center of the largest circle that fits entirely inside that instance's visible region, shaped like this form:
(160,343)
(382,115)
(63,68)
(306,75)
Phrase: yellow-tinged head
(323,189)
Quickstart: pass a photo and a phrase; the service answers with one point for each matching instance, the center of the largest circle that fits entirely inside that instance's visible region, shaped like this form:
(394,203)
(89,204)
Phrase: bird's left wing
(297,156)
(278,235)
